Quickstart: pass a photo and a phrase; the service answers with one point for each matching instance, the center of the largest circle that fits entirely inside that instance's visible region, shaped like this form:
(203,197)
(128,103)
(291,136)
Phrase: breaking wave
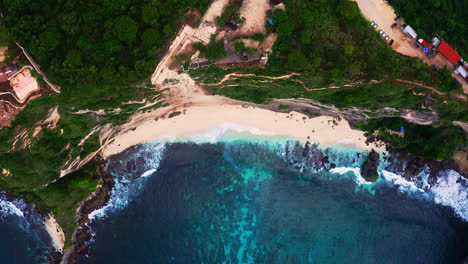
(130,170)
(10,208)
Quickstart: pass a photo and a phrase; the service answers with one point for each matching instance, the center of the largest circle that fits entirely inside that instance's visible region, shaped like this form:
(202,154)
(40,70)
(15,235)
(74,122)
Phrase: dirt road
(215,10)
(383,14)
(254,13)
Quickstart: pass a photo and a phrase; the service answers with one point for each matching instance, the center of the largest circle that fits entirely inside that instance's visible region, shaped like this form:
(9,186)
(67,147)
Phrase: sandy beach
(55,232)
(193,111)
(204,118)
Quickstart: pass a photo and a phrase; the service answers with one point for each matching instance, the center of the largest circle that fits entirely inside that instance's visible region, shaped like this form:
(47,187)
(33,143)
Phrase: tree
(125,29)
(348,49)
(239,46)
(150,37)
(283,23)
(215,50)
(348,10)
(298,61)
(150,14)
(180,58)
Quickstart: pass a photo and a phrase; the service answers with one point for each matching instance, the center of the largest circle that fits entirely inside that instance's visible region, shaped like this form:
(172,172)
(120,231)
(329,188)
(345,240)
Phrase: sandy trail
(193,111)
(254,12)
(215,10)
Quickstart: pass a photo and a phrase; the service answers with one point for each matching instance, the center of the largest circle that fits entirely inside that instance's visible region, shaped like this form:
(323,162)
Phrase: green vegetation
(420,140)
(100,53)
(109,41)
(240,47)
(3,35)
(61,196)
(446,19)
(331,45)
(325,36)
(213,51)
(283,107)
(228,13)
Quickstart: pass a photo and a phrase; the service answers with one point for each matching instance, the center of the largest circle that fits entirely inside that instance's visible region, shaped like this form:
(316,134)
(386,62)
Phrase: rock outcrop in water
(369,168)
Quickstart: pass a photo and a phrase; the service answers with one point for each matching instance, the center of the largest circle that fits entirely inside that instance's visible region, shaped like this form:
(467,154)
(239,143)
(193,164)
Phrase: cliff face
(97,200)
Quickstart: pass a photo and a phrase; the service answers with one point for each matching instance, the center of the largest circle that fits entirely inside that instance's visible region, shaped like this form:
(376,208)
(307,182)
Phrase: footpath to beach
(193,111)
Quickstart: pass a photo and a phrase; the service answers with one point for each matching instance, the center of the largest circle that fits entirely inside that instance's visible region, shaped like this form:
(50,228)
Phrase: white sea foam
(452,190)
(148,173)
(218,133)
(126,187)
(403,184)
(356,171)
(9,208)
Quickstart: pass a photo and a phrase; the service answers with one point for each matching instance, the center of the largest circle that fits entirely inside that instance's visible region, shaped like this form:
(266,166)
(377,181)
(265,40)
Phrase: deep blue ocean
(248,203)
(23,238)
(257,202)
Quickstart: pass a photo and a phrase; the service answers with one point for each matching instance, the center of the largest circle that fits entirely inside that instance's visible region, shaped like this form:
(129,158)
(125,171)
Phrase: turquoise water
(245,203)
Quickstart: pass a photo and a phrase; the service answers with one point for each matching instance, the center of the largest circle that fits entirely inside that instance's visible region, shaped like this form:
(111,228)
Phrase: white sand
(55,232)
(202,113)
(200,119)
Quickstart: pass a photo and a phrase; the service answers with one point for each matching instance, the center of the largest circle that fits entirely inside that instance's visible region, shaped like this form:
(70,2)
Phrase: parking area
(382,17)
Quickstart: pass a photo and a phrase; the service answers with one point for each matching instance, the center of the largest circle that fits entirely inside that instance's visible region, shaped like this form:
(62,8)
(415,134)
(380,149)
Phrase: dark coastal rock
(332,165)
(97,200)
(369,168)
(176,113)
(325,160)
(306,149)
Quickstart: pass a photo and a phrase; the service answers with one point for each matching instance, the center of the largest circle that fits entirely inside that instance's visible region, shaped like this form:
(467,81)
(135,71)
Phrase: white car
(381,32)
(387,38)
(384,34)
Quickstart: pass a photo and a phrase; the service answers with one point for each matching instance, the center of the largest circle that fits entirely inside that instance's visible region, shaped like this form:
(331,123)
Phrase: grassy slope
(37,166)
(86,49)
(371,58)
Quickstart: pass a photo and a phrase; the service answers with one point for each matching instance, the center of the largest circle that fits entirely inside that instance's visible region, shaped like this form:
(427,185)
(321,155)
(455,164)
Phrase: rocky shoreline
(53,257)
(98,199)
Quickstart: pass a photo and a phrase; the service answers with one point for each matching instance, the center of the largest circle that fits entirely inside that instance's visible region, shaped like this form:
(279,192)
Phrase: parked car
(374,25)
(387,38)
(391,42)
(381,31)
(384,34)
(397,18)
(394,25)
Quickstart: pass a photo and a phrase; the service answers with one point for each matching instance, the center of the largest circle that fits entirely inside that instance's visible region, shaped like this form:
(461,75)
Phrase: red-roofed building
(449,53)
(425,43)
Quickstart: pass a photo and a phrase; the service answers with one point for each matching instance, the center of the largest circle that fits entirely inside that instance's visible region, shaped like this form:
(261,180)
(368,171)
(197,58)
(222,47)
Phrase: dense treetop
(105,40)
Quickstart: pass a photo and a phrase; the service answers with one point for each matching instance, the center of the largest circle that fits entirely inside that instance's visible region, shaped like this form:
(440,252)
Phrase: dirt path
(383,14)
(215,10)
(254,12)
